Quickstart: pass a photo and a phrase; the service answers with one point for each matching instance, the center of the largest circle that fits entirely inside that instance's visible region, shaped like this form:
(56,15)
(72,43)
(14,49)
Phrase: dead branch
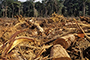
(82,30)
(38,26)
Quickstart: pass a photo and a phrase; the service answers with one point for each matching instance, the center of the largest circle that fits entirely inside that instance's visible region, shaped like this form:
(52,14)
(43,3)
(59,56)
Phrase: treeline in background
(10,8)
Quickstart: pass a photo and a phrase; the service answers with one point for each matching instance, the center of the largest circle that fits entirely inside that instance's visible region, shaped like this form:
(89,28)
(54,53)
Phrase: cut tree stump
(59,53)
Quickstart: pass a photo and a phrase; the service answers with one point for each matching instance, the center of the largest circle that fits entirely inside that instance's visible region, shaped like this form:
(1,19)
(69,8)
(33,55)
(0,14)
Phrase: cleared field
(55,38)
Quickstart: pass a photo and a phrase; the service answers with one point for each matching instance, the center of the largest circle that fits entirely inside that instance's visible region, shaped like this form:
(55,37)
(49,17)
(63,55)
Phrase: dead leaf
(81,35)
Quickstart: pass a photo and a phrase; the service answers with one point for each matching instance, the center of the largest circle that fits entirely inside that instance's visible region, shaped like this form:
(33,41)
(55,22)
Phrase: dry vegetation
(54,38)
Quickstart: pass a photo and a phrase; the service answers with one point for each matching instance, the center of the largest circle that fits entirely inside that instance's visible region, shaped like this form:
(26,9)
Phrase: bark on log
(59,53)
(65,41)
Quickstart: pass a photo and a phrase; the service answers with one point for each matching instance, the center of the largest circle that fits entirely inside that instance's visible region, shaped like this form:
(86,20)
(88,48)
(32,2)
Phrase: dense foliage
(10,8)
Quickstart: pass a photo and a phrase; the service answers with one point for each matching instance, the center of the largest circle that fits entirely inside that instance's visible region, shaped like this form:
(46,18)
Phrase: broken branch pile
(54,38)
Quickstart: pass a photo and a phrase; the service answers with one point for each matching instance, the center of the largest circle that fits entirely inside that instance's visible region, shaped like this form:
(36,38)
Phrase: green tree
(39,7)
(28,9)
(84,6)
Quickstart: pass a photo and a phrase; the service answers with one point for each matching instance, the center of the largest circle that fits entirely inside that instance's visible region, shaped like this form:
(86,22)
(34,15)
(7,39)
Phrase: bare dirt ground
(33,38)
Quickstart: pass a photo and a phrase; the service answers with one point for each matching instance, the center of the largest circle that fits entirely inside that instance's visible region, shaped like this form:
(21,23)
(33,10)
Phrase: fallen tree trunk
(59,53)
(65,41)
